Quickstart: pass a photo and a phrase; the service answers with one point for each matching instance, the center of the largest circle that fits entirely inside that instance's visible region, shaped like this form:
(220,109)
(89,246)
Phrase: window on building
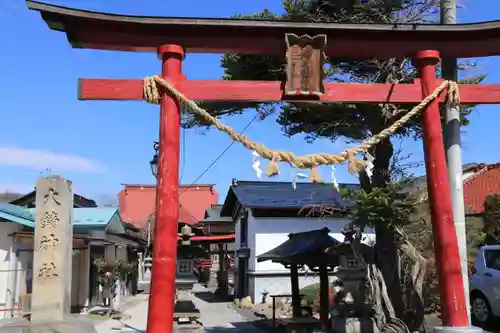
(352,262)
(185,267)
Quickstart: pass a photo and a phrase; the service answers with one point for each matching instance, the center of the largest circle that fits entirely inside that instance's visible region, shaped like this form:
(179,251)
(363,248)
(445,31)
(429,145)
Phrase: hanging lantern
(154,162)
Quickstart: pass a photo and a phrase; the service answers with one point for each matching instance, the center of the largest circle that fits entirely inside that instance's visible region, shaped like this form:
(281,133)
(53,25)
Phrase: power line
(220,156)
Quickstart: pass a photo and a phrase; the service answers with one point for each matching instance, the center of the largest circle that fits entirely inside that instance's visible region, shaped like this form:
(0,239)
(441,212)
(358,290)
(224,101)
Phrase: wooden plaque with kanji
(305,59)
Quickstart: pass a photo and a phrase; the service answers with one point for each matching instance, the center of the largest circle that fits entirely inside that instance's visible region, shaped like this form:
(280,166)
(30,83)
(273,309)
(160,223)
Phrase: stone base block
(354,325)
(466,329)
(145,286)
(188,328)
(73,324)
(185,306)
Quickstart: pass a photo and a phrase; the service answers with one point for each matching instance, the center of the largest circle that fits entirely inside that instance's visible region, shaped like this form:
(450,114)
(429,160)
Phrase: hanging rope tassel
(314,176)
(453,96)
(273,168)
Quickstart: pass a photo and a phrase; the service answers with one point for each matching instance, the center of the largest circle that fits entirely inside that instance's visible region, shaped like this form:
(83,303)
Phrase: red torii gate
(170,37)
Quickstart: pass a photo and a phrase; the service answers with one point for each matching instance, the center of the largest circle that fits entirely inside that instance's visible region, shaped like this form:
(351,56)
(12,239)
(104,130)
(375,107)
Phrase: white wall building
(265,213)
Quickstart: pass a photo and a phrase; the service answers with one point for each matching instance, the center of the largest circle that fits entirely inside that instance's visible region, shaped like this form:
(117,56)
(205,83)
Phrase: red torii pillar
(453,301)
(161,299)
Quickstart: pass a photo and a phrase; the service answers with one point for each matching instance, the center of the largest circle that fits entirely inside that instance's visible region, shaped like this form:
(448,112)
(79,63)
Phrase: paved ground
(216,316)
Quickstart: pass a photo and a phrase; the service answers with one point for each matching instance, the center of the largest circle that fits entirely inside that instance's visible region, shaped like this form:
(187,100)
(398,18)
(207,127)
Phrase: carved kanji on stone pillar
(305,58)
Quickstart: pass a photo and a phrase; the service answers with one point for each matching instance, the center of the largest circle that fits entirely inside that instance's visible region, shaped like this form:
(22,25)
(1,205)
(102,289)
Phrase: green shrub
(311,295)
(310,292)
(491,219)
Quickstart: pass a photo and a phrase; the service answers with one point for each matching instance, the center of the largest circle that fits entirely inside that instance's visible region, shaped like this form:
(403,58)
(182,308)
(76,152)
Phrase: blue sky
(99,145)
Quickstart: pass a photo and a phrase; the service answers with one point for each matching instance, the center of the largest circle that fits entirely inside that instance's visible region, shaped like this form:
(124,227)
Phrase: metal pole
(11,281)
(454,152)
(453,306)
(161,298)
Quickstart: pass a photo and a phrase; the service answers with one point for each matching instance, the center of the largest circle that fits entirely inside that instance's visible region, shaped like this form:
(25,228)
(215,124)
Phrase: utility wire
(219,157)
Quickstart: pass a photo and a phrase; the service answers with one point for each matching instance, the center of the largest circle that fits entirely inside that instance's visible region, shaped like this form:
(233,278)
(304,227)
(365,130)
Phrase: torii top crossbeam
(84,29)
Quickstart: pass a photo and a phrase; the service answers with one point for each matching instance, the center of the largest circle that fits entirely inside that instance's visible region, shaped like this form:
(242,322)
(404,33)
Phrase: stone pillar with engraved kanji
(53,244)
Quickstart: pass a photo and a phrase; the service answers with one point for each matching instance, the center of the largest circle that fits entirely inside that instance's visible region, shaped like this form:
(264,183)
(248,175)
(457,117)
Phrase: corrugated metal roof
(91,216)
(98,216)
(484,181)
(137,203)
(256,194)
(212,214)
(214,210)
(118,240)
(17,214)
(421,181)
(477,187)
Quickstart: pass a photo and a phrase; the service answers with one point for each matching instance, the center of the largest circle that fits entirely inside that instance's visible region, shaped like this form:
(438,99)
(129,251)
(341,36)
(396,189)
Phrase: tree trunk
(386,255)
(386,259)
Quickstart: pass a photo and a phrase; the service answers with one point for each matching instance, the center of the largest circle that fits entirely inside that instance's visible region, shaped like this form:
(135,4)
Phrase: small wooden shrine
(306,249)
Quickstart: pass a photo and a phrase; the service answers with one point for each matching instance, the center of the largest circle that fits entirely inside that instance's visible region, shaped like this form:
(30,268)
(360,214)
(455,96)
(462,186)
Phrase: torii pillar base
(448,329)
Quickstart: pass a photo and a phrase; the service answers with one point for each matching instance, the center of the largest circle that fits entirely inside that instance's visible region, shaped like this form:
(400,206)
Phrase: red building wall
(484,182)
(137,202)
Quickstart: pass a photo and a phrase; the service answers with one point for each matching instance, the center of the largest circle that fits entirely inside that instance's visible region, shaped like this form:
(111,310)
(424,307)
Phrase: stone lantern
(185,312)
(352,300)
(353,303)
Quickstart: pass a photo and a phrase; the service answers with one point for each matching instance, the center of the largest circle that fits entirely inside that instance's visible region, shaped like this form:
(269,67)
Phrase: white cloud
(39,160)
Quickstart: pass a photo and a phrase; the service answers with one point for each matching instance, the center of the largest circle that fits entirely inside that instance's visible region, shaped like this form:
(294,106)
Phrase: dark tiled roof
(78,200)
(299,245)
(275,195)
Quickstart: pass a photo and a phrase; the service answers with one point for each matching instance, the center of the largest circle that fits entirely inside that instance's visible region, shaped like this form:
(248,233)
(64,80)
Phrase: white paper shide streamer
(369,164)
(256,164)
(334,179)
(297,175)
